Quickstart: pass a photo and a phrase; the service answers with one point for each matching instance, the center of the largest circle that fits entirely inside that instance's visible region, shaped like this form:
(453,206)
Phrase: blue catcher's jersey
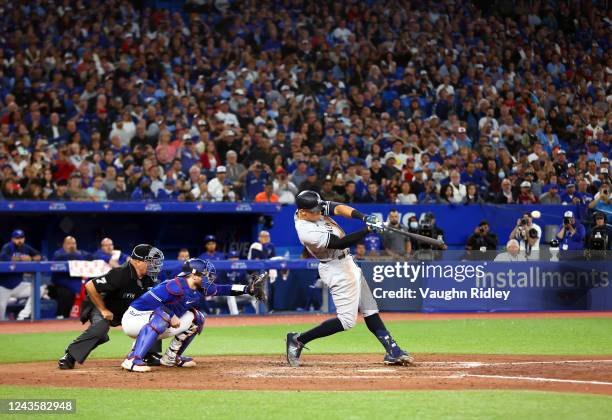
(176,296)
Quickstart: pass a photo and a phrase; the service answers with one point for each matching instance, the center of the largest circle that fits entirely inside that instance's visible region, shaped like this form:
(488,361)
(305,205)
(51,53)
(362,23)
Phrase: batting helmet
(199,267)
(308,200)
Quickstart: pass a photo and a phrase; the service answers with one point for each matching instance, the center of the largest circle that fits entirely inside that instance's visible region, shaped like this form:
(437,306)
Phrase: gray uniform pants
(92,337)
(349,290)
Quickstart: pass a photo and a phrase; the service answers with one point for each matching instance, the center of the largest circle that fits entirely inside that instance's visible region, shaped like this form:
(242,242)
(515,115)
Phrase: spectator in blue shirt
(210,249)
(169,192)
(12,284)
(107,253)
(471,175)
(143,192)
(65,288)
(462,139)
(571,233)
(189,154)
(570,196)
(255,180)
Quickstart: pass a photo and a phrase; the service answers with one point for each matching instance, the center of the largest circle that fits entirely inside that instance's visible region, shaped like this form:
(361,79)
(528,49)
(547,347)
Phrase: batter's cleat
(152,359)
(294,349)
(135,364)
(178,361)
(66,362)
(402,359)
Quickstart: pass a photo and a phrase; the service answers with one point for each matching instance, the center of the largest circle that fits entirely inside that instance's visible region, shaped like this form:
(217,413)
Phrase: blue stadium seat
(388,96)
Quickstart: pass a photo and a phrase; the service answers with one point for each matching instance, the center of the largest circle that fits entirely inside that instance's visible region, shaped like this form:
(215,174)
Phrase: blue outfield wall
(173,225)
(457,221)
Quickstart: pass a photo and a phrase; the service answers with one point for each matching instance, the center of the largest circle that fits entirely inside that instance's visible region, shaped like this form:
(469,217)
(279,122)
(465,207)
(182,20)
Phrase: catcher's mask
(152,256)
(199,267)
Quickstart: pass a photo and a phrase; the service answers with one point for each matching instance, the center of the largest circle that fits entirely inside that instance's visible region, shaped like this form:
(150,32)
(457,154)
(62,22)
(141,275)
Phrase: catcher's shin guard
(174,354)
(158,323)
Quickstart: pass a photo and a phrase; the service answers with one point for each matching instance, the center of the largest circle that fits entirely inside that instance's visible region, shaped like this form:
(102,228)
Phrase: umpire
(108,297)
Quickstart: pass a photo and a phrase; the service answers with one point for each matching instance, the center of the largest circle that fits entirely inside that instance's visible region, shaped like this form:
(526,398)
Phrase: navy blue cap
(233,254)
(210,238)
(18,233)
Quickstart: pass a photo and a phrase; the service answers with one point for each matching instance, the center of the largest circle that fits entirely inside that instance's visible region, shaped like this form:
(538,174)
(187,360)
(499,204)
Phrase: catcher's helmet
(308,200)
(199,267)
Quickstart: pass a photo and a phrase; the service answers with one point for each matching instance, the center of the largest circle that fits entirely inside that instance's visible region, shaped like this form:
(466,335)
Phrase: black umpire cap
(308,200)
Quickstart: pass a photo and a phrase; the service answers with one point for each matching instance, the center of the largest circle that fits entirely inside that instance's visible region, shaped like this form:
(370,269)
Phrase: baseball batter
(169,310)
(325,240)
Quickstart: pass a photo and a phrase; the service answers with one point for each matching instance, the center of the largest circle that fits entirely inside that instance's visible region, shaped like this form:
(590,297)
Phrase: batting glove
(374,223)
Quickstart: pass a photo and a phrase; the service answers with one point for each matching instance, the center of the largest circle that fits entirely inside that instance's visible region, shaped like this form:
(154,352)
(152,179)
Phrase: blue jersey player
(169,310)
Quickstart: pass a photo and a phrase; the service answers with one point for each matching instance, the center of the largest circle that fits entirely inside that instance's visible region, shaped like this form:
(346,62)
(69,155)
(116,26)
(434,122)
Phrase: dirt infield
(335,372)
(230,321)
(331,372)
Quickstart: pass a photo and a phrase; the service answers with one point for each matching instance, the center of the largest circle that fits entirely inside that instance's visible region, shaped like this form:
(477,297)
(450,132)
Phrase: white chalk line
(349,377)
(529,362)
(475,364)
(84,371)
(530,378)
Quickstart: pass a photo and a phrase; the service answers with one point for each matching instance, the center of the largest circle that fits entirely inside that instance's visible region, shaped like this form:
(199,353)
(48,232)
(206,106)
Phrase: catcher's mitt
(257,286)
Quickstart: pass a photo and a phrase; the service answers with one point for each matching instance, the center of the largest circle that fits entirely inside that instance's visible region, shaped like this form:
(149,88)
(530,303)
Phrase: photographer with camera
(528,235)
(427,227)
(481,241)
(571,233)
(598,240)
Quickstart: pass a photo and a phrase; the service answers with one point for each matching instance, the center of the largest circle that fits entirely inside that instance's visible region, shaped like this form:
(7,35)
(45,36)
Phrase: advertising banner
(490,286)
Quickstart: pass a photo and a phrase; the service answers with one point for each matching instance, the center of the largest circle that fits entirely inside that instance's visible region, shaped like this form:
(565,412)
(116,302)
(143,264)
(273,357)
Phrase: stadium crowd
(368,101)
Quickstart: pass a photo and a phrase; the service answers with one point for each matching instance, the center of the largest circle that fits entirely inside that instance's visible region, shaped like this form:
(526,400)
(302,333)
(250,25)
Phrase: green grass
(565,336)
(104,403)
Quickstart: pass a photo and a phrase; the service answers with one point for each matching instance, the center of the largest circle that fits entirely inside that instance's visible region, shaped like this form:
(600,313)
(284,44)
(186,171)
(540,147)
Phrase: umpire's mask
(152,256)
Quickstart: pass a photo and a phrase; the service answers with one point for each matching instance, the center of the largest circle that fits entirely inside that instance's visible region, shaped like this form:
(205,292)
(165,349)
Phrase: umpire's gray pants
(92,337)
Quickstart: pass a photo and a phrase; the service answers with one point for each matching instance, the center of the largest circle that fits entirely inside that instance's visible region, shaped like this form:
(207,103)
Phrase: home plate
(377,370)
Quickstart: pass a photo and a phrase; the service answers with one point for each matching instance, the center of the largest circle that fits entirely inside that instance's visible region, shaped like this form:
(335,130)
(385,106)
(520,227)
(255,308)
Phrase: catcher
(169,310)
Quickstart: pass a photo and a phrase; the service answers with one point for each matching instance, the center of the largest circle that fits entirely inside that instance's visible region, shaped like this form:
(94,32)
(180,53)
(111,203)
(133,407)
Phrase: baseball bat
(416,236)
